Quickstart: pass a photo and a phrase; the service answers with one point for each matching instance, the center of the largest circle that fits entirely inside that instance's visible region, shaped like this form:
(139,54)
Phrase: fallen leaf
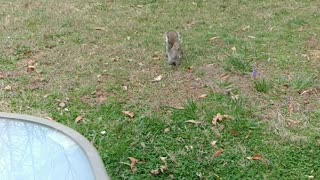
(190,24)
(203,96)
(62,104)
(306,56)
(252,37)
(103,132)
(155,172)
(128,113)
(218,153)
(134,161)
(100,28)
(125,88)
(31,68)
(166,130)
(213,38)
(179,107)
(224,77)
(213,143)
(162,169)
(311,91)
(79,119)
(163,159)
(216,119)
(233,49)
(1,76)
(31,62)
(228,117)
(293,123)
(258,157)
(155,57)
(235,97)
(245,28)
(234,133)
(8,88)
(143,145)
(156,79)
(194,122)
(51,119)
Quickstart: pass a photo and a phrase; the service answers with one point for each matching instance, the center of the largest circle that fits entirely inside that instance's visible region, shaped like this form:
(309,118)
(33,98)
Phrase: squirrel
(173,48)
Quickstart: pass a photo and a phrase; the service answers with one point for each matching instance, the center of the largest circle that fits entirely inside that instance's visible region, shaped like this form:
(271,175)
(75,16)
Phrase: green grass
(101,57)
(262,85)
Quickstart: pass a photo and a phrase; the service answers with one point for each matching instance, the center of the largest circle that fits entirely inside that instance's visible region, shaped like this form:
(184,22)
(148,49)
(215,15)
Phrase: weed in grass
(262,85)
(238,63)
(304,82)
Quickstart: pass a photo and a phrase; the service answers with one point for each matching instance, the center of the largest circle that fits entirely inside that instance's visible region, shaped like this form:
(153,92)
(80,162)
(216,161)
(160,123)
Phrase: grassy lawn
(255,63)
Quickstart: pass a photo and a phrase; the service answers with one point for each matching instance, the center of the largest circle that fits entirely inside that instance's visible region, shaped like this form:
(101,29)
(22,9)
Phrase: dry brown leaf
(218,153)
(310,91)
(166,130)
(213,38)
(203,96)
(155,172)
(100,28)
(134,161)
(218,117)
(234,133)
(294,123)
(259,158)
(79,119)
(155,57)
(194,122)
(128,113)
(157,79)
(235,97)
(224,77)
(190,24)
(8,88)
(163,159)
(62,104)
(179,107)
(213,143)
(31,68)
(51,119)
(228,117)
(162,169)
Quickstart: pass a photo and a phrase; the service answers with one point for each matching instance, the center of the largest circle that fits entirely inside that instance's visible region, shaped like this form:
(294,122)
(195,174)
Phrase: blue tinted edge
(91,152)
